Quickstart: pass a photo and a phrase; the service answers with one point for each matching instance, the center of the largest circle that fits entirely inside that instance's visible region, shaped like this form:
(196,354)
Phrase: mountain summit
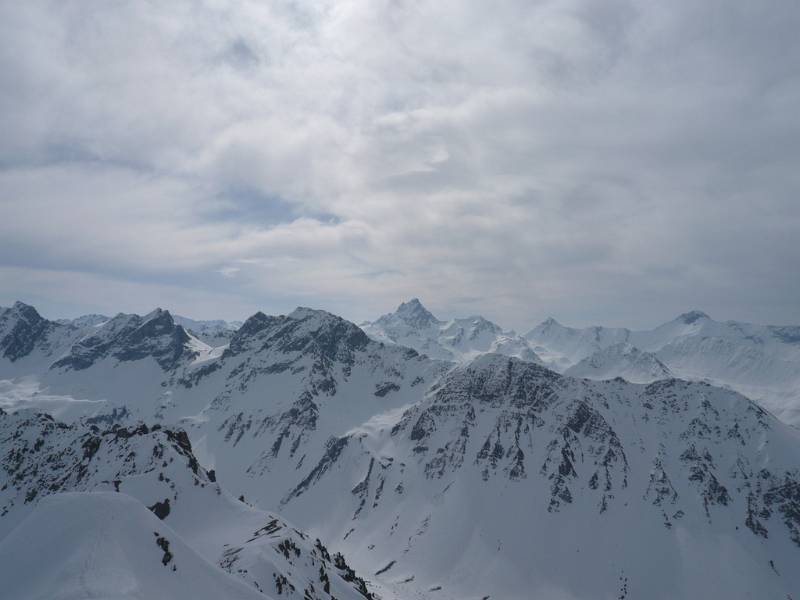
(414,314)
(459,339)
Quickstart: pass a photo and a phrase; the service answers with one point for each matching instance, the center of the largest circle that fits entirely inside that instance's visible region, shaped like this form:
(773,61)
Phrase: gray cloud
(614,162)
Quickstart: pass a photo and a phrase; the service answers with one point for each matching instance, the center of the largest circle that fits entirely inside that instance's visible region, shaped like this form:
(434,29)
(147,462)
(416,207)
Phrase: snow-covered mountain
(494,477)
(760,361)
(414,326)
(284,387)
(621,360)
(508,480)
(29,342)
(561,347)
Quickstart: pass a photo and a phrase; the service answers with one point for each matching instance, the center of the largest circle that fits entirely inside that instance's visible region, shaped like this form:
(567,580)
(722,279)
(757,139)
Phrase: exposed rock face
(131,338)
(666,455)
(41,456)
(21,329)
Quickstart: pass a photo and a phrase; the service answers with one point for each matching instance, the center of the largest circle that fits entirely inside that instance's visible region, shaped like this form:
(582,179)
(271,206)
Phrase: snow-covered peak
(621,360)
(459,339)
(303,330)
(158,314)
(509,372)
(22,329)
(550,322)
(132,338)
(25,310)
(414,314)
(304,313)
(692,316)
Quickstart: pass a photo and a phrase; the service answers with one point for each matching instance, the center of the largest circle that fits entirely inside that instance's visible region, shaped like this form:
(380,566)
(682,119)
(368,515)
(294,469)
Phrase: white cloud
(617,161)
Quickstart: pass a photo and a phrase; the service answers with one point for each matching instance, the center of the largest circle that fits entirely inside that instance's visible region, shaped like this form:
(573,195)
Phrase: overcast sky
(602,162)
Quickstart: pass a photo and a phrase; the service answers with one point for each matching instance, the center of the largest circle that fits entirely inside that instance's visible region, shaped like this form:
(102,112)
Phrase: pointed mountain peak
(159,314)
(550,322)
(692,316)
(26,311)
(254,323)
(415,314)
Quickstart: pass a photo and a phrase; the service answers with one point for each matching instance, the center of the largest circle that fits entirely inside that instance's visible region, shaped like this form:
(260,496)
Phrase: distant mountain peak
(304,312)
(415,314)
(157,313)
(548,323)
(26,310)
(693,316)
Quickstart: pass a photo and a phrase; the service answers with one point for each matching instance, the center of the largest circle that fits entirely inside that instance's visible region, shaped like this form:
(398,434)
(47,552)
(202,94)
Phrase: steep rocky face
(413,314)
(281,561)
(323,336)
(132,338)
(573,455)
(41,456)
(21,329)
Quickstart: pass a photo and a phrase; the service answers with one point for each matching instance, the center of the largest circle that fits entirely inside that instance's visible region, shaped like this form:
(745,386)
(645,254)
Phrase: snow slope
(414,326)
(77,546)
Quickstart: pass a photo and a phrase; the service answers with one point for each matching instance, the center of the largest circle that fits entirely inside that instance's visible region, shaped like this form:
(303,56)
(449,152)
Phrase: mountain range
(760,361)
(407,458)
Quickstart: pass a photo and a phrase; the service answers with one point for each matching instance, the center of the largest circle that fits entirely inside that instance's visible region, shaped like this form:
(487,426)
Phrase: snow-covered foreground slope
(762,362)
(40,457)
(412,325)
(78,546)
(511,481)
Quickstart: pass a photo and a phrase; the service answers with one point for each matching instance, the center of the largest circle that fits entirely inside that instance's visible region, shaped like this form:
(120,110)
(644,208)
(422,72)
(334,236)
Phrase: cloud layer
(614,162)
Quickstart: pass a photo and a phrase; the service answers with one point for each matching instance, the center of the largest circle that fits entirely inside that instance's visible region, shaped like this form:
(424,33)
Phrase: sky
(605,162)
